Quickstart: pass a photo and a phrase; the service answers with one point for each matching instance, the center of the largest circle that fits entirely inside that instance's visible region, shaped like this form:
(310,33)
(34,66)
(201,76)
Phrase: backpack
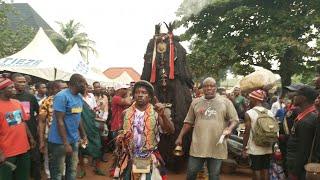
(266,129)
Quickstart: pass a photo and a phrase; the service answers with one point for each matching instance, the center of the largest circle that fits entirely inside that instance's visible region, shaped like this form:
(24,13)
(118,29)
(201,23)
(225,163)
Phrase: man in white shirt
(277,105)
(259,155)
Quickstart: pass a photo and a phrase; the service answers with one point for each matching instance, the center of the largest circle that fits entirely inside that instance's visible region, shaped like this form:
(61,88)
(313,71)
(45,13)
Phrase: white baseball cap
(121,86)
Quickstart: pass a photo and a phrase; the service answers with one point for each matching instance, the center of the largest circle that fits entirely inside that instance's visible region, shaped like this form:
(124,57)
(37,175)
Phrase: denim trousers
(195,164)
(58,159)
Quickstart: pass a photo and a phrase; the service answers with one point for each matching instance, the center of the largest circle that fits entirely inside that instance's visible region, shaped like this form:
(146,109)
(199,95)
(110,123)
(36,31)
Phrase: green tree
(242,33)
(12,40)
(71,35)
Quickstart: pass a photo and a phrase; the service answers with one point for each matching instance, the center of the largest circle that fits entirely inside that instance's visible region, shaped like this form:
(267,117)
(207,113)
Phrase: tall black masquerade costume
(166,68)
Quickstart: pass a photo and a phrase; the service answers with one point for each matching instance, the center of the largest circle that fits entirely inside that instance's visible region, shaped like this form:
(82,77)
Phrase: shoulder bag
(312,169)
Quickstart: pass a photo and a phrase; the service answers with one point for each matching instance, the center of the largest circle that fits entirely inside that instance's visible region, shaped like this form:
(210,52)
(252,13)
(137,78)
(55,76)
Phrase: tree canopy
(12,40)
(71,35)
(237,34)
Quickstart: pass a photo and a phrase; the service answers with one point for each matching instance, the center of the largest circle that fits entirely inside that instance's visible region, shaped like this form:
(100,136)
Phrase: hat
(258,95)
(236,87)
(146,84)
(294,87)
(5,82)
(121,86)
(305,90)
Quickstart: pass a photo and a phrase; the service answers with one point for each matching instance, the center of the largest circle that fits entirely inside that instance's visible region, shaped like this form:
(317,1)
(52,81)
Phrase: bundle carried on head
(261,79)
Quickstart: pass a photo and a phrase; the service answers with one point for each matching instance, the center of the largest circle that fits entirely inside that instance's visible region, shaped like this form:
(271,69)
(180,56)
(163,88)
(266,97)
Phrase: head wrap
(258,95)
(5,82)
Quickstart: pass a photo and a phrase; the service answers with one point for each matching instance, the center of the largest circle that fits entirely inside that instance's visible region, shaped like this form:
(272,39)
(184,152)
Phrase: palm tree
(71,36)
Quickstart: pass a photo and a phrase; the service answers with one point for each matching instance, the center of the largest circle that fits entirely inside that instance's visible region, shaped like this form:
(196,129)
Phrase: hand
(84,141)
(32,143)
(226,131)
(42,147)
(159,107)
(178,141)
(244,153)
(2,158)
(68,149)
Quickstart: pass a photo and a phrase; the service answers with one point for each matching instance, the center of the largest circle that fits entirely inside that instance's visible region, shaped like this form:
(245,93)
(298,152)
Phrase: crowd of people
(56,125)
(43,124)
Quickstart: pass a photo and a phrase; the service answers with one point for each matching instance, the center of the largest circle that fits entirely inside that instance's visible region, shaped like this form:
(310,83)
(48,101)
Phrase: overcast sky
(120,28)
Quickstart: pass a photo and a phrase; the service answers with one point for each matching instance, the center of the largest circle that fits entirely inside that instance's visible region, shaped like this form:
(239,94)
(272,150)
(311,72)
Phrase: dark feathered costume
(175,91)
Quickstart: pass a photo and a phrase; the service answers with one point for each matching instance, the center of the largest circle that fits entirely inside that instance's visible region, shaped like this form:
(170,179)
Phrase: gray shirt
(209,118)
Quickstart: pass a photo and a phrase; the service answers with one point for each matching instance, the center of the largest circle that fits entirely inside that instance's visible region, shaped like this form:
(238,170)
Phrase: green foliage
(12,40)
(242,33)
(304,78)
(190,7)
(72,36)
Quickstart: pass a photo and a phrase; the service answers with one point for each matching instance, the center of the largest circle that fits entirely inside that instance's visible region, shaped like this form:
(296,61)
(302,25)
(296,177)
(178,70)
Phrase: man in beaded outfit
(138,142)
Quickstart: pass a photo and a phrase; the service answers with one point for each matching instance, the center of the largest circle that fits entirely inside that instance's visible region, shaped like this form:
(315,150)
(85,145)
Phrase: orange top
(13,134)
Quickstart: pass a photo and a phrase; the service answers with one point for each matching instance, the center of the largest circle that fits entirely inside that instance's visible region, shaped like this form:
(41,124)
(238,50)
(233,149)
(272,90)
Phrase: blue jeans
(58,158)
(195,164)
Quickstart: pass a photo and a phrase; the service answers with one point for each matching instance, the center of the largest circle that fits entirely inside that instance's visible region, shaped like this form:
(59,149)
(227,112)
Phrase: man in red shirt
(120,101)
(14,144)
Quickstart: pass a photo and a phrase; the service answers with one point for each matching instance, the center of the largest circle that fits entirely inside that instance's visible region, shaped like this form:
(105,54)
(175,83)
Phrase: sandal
(81,174)
(99,172)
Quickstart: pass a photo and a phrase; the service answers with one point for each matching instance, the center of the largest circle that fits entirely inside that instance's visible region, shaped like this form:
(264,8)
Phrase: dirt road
(240,174)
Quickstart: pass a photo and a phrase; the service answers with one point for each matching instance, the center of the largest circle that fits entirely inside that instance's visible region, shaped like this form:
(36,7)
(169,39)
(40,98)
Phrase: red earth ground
(240,174)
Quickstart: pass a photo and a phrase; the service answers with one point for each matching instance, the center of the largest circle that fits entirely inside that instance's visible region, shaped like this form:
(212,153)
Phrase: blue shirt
(281,114)
(71,105)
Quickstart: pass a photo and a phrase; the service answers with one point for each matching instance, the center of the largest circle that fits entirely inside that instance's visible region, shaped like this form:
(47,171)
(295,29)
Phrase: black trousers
(35,163)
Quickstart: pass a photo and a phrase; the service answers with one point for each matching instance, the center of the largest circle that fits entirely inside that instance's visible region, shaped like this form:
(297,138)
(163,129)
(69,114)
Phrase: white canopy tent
(37,59)
(41,58)
(73,63)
